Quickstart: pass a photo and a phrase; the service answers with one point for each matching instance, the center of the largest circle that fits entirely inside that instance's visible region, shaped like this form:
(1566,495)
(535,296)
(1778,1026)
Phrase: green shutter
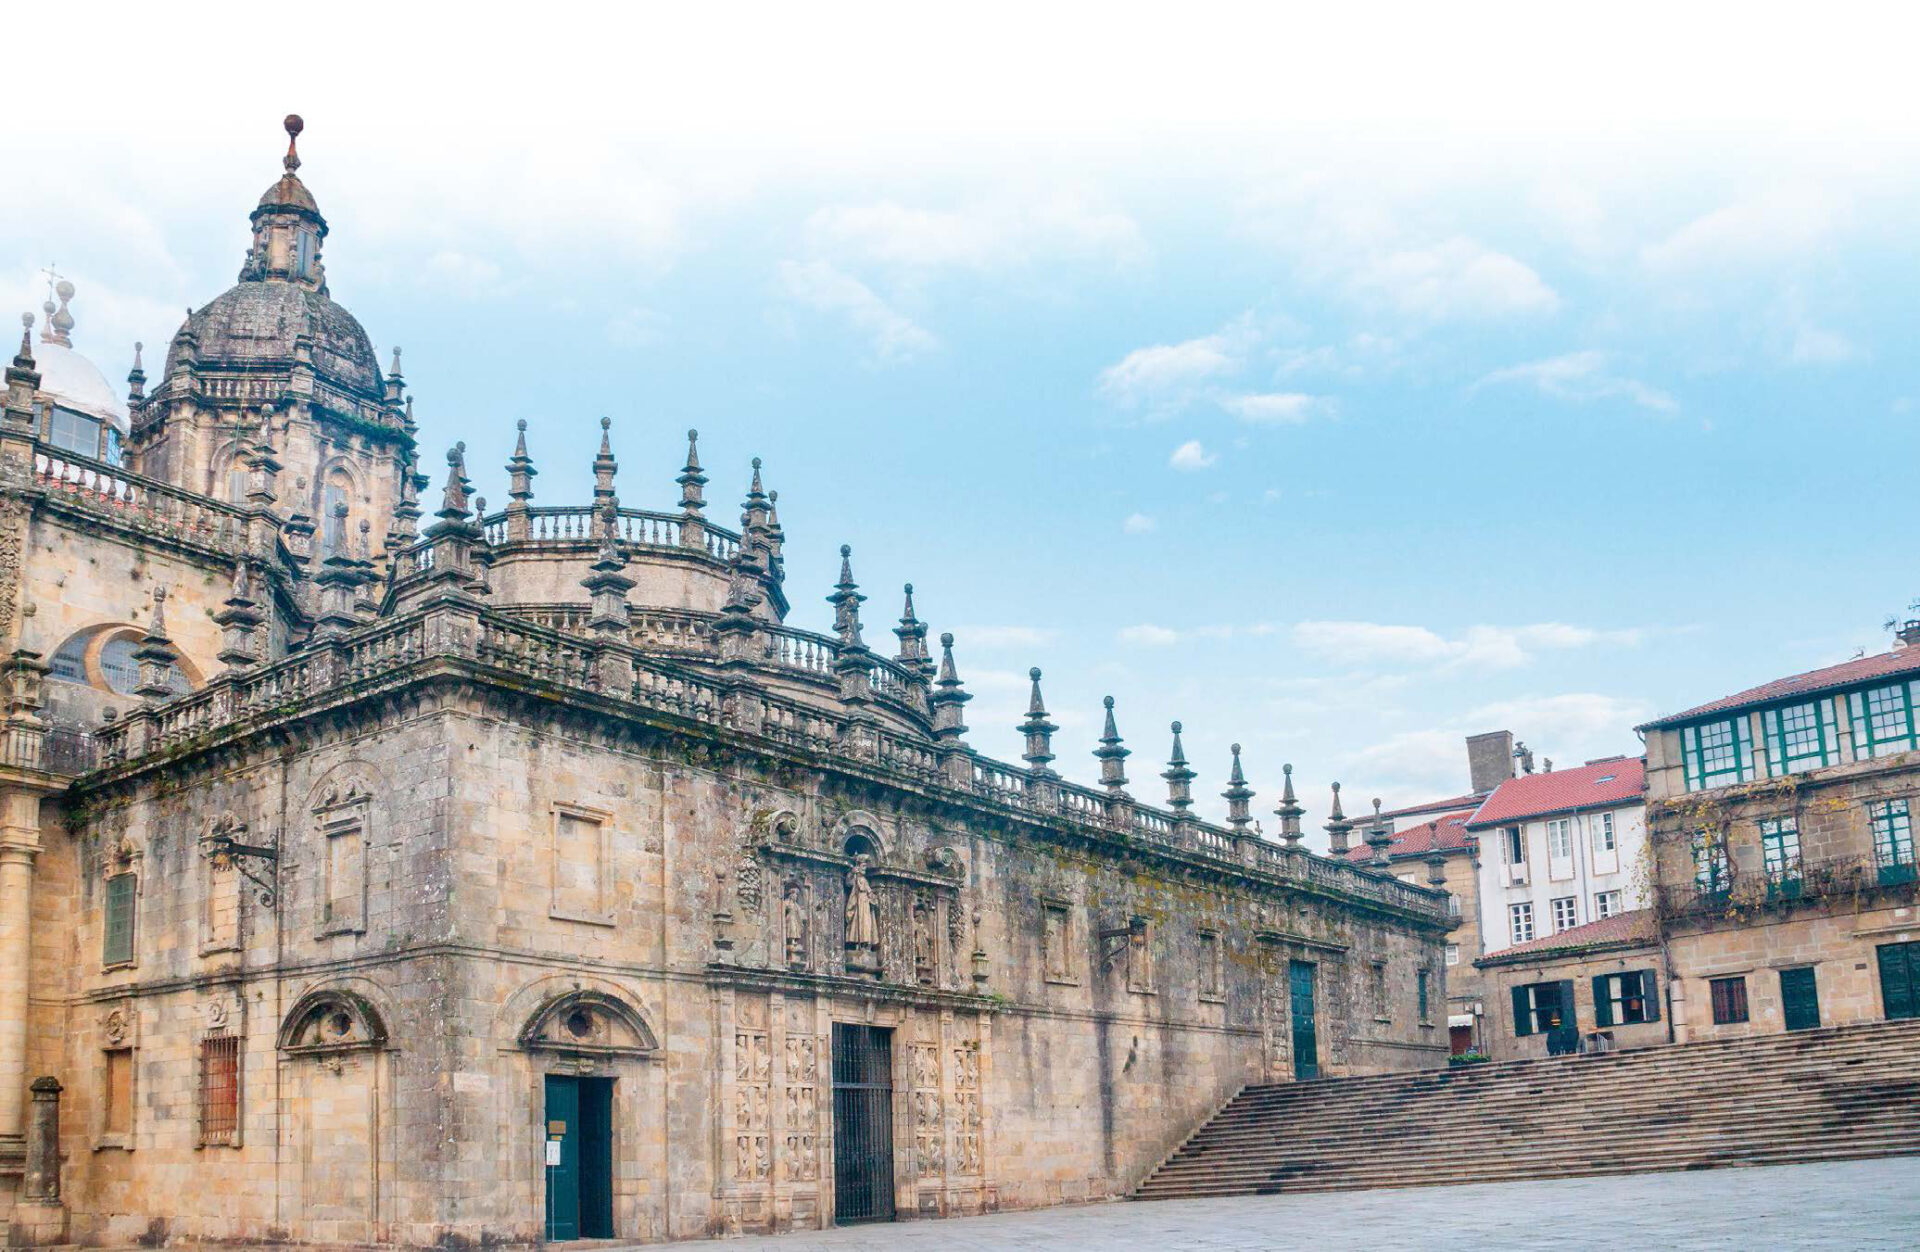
(1650,988)
(1522,1013)
(1602,1002)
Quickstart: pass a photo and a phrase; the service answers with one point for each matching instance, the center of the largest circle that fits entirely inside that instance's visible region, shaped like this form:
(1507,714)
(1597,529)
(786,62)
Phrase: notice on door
(553,1153)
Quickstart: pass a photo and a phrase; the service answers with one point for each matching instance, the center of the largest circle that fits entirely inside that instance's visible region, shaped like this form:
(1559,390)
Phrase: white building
(1561,849)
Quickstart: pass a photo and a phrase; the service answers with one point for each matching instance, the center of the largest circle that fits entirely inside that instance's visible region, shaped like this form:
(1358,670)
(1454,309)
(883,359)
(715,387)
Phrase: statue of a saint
(793,911)
(863,917)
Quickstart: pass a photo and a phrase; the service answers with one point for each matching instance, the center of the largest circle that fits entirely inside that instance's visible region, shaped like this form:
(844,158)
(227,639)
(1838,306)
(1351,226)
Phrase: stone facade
(1620,963)
(338,856)
(1783,852)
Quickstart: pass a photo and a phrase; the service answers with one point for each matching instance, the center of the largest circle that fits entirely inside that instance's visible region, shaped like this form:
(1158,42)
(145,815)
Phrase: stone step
(1834,1093)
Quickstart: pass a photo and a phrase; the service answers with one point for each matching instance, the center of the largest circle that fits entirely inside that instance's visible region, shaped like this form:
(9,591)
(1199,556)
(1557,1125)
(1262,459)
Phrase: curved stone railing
(580,523)
(134,500)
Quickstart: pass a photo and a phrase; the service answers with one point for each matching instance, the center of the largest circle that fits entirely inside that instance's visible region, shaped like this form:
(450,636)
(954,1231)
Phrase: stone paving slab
(1839,1205)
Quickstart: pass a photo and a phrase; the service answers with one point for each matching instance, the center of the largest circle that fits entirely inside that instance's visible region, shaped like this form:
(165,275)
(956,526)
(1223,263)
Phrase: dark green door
(579,1148)
(1306,1048)
(1900,979)
(1800,998)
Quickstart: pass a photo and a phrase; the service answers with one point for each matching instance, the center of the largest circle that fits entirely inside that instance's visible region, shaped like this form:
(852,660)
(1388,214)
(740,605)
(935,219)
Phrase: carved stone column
(19,845)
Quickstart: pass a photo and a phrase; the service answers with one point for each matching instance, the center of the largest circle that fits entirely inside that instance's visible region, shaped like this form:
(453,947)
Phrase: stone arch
(97,656)
(332,1019)
(588,1022)
(860,833)
(227,461)
(350,782)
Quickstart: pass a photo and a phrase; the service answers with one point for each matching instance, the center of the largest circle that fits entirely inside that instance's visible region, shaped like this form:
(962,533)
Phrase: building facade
(1600,986)
(528,877)
(1782,834)
(1560,850)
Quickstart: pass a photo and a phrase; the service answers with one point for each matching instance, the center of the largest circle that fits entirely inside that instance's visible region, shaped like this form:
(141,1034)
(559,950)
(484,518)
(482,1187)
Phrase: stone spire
(755,511)
(607,581)
(1111,755)
(693,483)
(156,655)
(1238,796)
(22,379)
(341,575)
(59,324)
(520,473)
(137,376)
(403,525)
(604,467)
(1379,836)
(1179,776)
(1338,827)
(1289,811)
(912,633)
(845,599)
(1039,731)
(396,382)
(1436,857)
(949,698)
(263,467)
(776,539)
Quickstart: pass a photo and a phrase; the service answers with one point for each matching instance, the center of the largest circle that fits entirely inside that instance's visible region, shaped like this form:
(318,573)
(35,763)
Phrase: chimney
(1908,633)
(1489,759)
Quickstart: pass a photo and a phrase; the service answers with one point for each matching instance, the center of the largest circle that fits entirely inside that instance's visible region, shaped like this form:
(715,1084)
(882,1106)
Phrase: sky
(1338,383)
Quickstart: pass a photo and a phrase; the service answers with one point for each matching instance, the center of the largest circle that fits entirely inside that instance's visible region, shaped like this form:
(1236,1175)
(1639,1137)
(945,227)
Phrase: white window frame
(1606,904)
(1453,954)
(1604,839)
(1564,918)
(1560,839)
(1520,921)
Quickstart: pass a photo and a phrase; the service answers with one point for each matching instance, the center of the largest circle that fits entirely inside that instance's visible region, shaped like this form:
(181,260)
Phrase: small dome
(77,383)
(257,323)
(289,193)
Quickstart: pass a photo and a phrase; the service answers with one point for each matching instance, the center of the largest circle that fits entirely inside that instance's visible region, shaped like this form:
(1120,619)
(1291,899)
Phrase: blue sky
(1339,396)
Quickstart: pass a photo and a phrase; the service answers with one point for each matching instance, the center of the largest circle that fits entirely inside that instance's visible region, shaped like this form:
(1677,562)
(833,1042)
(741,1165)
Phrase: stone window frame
(602,820)
(209,868)
(1423,995)
(1064,908)
(124,862)
(1382,1001)
(1140,962)
(348,818)
(203,1056)
(120,1033)
(1213,966)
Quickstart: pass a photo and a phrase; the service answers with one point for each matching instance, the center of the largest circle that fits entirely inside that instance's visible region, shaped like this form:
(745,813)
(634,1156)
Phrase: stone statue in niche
(793,913)
(863,919)
(923,954)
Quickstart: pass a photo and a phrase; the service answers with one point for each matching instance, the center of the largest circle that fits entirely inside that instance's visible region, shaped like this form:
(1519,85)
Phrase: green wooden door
(563,1176)
(1306,1046)
(1900,979)
(1800,998)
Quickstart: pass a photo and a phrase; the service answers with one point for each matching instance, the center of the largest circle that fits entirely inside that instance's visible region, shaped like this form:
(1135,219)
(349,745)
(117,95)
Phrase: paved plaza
(1849,1204)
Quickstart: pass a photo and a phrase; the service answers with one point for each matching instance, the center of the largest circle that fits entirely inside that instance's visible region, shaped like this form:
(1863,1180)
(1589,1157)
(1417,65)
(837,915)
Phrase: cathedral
(521,875)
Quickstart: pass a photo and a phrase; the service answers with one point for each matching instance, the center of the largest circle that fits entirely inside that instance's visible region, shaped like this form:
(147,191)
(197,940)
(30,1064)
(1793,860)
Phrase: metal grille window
(1892,841)
(1712,873)
(1717,753)
(1800,736)
(1780,849)
(1520,918)
(219,1089)
(1729,1001)
(122,901)
(1883,721)
(1566,913)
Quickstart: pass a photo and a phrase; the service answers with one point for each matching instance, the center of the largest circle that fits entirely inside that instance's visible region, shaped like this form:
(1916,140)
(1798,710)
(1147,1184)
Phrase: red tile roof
(1846,674)
(1451,804)
(1448,833)
(1603,784)
(1634,926)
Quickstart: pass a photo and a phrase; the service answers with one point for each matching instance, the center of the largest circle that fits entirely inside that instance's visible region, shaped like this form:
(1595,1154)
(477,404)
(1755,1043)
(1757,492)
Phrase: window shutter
(1650,988)
(1569,1016)
(1522,1013)
(1602,1002)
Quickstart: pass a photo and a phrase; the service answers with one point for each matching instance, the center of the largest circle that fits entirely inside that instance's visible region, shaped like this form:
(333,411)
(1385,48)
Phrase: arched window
(334,527)
(236,481)
(102,657)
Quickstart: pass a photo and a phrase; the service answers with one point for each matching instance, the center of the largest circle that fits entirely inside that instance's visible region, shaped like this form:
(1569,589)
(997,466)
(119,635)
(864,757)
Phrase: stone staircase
(1829,1094)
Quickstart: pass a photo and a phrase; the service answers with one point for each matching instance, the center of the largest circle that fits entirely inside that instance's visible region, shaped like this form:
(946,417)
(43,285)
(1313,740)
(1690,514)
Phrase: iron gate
(862,1123)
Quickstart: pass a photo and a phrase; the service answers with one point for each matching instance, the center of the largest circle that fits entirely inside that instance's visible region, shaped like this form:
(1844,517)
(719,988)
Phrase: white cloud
(1458,277)
(462,272)
(977,237)
(1581,376)
(1139,524)
(1191,456)
(818,285)
(1166,373)
(1478,647)
(1148,635)
(1274,407)
(1799,341)
(1778,223)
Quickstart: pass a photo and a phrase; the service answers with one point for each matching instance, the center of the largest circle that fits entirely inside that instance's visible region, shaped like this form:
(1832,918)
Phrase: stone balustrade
(532,650)
(144,504)
(637,528)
